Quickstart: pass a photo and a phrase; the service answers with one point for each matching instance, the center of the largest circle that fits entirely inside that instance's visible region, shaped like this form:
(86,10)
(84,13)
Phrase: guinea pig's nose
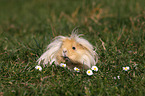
(64,51)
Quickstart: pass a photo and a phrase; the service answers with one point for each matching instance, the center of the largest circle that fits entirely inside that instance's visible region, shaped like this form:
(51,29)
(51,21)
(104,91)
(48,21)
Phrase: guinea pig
(74,51)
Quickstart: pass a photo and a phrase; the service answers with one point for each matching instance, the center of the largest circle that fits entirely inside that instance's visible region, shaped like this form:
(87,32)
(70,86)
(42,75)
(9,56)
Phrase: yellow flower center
(89,71)
(77,69)
(94,68)
(62,65)
(125,68)
(38,68)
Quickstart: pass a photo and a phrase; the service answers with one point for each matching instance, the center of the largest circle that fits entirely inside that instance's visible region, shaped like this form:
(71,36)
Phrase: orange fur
(74,51)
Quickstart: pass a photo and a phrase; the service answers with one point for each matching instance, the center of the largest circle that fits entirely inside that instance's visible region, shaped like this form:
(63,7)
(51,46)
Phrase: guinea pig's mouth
(66,58)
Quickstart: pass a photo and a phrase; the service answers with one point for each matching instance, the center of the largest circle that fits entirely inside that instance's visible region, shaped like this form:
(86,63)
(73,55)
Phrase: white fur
(52,48)
(89,58)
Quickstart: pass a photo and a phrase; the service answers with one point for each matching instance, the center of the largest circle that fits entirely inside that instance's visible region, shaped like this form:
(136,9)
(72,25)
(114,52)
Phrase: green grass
(28,26)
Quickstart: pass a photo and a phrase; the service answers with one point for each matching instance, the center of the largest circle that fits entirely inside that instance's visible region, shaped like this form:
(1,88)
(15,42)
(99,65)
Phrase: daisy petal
(126,68)
(62,65)
(77,69)
(38,68)
(95,68)
(89,72)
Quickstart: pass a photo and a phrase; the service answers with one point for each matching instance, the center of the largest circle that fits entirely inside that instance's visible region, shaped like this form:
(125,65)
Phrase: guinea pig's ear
(85,44)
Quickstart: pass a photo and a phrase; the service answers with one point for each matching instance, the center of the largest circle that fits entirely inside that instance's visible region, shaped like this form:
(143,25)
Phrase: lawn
(115,27)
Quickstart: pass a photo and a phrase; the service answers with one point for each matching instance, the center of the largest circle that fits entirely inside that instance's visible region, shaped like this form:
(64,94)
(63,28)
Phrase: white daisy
(38,67)
(114,77)
(77,69)
(118,77)
(62,65)
(95,68)
(89,72)
(126,68)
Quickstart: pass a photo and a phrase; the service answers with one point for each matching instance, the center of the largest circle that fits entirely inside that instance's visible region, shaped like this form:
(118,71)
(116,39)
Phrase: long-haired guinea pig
(74,51)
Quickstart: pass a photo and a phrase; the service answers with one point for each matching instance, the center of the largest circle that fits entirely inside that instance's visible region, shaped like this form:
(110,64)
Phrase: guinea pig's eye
(73,48)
